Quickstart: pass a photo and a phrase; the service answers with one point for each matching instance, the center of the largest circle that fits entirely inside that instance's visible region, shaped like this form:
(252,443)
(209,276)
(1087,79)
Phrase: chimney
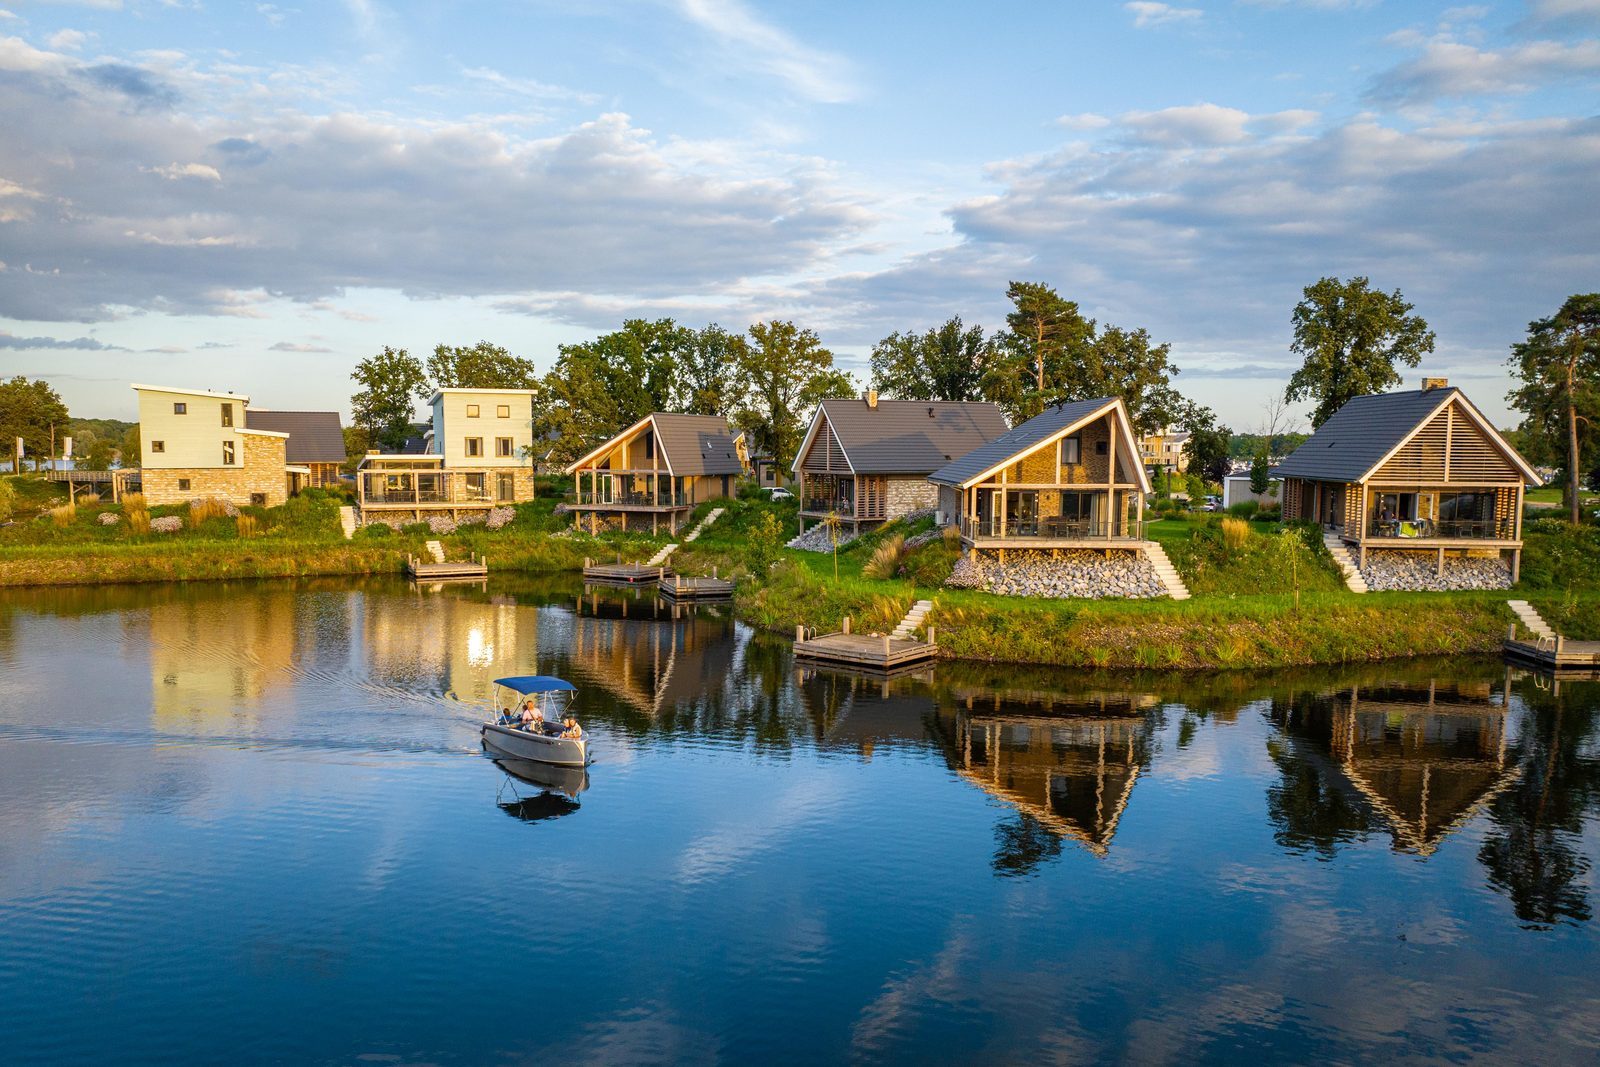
(1435,383)
(872,398)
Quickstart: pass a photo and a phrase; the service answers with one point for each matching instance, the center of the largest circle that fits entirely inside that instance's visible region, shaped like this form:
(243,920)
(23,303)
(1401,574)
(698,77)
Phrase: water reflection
(1343,864)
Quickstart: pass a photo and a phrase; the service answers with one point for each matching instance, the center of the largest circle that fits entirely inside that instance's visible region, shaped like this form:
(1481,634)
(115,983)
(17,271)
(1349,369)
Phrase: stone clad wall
(264,461)
(262,472)
(1092,468)
(910,494)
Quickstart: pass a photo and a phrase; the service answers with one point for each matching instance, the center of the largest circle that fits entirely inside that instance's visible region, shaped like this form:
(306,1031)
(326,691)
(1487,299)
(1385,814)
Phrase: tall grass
(885,561)
(249,525)
(1235,533)
(134,502)
(207,508)
(138,522)
(62,516)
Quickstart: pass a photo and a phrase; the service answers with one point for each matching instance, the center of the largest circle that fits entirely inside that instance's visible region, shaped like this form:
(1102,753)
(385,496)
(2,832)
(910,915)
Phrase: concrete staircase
(1166,572)
(660,558)
(913,620)
(1529,616)
(1347,564)
(435,551)
(711,516)
(347,521)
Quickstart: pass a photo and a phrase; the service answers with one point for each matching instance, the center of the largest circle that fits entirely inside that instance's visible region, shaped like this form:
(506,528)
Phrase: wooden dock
(678,587)
(624,574)
(467,571)
(877,652)
(1557,655)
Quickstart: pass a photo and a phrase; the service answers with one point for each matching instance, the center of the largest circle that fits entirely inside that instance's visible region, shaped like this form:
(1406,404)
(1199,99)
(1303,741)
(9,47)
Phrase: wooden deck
(678,587)
(1561,656)
(625,574)
(424,571)
(862,650)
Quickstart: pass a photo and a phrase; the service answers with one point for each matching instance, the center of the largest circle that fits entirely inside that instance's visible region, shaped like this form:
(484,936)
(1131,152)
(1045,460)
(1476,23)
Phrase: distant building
(1166,450)
(471,458)
(199,444)
(1236,490)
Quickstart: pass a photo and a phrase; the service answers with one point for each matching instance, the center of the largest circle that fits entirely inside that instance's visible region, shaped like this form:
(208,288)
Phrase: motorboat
(539,740)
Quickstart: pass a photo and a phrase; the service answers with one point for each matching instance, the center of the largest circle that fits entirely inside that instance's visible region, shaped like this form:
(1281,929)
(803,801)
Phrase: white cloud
(67,40)
(1448,68)
(175,171)
(1564,13)
(292,346)
(749,40)
(1149,13)
(1200,125)
(1086,120)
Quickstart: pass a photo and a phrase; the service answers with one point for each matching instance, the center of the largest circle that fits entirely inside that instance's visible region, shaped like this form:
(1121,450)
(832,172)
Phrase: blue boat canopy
(537,683)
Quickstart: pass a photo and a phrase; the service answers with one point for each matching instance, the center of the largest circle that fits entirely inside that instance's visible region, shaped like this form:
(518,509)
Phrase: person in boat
(570,730)
(532,717)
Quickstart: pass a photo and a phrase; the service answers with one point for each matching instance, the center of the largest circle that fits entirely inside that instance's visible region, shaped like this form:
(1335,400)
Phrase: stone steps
(1347,564)
(711,516)
(913,620)
(347,521)
(435,550)
(1166,572)
(660,558)
(1529,616)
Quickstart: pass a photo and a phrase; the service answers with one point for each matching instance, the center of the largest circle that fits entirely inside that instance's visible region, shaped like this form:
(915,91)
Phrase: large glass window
(1466,507)
(1397,507)
(505,487)
(1071,450)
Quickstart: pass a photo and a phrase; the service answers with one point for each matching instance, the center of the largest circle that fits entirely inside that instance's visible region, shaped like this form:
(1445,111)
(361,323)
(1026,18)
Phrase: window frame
(1076,441)
(158,446)
(183,485)
(502,411)
(230,454)
(180,407)
(472,411)
(473,447)
(510,446)
(227,415)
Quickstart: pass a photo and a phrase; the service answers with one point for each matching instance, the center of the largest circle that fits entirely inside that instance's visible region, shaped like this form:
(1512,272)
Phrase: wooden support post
(799,632)
(1516,565)
(886,646)
(1441,561)
(930,635)
(847,624)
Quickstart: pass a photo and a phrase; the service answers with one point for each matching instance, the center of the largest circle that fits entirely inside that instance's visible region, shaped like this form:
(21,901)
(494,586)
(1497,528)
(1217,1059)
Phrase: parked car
(1213,503)
(777,492)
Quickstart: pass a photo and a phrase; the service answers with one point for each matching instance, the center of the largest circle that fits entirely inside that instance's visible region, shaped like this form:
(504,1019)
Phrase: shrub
(62,516)
(139,522)
(89,498)
(248,525)
(166,524)
(109,518)
(416,528)
(885,559)
(499,517)
(206,508)
(1235,533)
(1244,509)
(134,502)
(930,565)
(376,529)
(441,524)
(763,542)
(1270,513)
(8,497)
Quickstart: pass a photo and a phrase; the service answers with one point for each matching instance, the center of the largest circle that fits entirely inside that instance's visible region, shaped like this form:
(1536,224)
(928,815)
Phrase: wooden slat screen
(1422,458)
(825,454)
(1473,457)
(872,498)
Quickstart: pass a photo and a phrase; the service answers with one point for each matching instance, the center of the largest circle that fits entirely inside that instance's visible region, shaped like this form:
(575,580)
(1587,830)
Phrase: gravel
(817,539)
(1416,571)
(1075,573)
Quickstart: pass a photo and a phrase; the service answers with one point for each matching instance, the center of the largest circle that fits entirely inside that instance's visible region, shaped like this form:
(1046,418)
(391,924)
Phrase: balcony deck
(1448,534)
(1050,535)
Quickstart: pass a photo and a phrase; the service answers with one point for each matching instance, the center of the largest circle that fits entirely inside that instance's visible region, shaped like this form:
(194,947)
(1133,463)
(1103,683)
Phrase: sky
(255,196)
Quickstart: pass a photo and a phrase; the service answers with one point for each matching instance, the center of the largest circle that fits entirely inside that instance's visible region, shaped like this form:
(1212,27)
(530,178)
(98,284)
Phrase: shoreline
(1204,633)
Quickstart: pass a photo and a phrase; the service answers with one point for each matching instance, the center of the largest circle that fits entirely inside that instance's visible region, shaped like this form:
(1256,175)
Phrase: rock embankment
(1072,574)
(1418,571)
(817,539)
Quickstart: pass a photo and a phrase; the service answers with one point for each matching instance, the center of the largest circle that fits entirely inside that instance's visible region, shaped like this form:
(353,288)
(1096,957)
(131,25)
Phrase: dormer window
(180,408)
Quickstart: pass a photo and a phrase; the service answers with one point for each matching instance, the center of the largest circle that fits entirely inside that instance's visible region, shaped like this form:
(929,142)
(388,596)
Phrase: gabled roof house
(867,460)
(1415,471)
(658,469)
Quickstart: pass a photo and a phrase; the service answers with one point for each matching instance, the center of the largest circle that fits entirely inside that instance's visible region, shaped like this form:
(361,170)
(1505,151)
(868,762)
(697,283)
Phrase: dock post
(713,571)
(886,646)
(799,632)
(1511,632)
(847,624)
(930,635)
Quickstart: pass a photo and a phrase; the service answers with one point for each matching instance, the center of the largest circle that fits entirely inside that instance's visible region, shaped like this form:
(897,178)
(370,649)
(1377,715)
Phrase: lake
(252,823)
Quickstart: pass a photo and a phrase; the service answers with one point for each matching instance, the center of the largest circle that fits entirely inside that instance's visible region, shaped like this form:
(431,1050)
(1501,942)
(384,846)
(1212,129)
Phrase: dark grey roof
(697,444)
(1018,439)
(1357,436)
(910,436)
(314,436)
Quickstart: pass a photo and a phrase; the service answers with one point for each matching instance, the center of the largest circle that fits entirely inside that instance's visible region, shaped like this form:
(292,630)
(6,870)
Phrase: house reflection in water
(650,655)
(1416,762)
(1067,764)
(453,642)
(214,657)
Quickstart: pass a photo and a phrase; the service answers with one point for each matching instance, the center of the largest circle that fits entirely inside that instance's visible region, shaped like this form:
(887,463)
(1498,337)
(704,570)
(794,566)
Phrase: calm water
(252,823)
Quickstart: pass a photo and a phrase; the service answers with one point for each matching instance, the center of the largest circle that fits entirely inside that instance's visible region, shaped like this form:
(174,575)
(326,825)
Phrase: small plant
(109,518)
(88,498)
(377,529)
(166,524)
(441,524)
(1235,533)
(499,517)
(886,558)
(1244,509)
(766,537)
(248,525)
(139,522)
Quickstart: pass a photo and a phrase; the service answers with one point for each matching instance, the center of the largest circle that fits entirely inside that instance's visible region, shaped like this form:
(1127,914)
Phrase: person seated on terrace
(571,731)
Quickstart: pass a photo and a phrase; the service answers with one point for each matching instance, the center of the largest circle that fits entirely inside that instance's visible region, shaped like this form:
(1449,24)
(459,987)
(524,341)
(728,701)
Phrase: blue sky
(254,196)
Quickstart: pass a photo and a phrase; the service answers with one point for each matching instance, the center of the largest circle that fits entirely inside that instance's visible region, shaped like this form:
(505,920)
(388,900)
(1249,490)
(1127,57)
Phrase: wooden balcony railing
(1051,529)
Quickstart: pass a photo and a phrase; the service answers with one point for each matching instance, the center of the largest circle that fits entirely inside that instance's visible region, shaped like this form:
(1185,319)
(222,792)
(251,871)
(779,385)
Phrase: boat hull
(556,751)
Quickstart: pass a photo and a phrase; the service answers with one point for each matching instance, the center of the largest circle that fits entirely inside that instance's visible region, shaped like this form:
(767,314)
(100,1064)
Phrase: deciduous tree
(1045,340)
(392,382)
(600,387)
(708,378)
(789,373)
(1350,337)
(1558,371)
(30,410)
(481,366)
(945,363)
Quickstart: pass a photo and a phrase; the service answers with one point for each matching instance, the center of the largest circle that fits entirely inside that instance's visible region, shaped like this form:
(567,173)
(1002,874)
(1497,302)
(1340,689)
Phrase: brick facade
(262,473)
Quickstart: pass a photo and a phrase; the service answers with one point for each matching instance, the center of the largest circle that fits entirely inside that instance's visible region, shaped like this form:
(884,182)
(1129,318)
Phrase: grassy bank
(1265,595)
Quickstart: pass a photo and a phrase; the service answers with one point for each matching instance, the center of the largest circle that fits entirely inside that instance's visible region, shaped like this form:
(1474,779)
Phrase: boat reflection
(557,788)
(1417,762)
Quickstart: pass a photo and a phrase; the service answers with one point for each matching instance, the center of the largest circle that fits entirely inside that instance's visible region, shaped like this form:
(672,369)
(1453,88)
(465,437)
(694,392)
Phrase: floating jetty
(425,571)
(1556,655)
(624,574)
(679,587)
(877,652)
